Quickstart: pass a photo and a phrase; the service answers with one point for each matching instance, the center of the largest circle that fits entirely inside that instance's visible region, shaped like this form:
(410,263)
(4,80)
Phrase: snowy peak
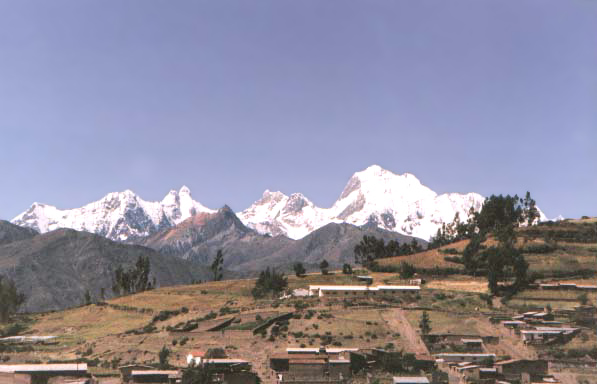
(118,215)
(373,196)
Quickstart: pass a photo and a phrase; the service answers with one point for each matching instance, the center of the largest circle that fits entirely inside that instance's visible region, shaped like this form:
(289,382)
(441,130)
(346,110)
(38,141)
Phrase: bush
(450,251)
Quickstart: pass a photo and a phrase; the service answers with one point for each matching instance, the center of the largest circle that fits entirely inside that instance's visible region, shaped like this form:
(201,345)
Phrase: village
(362,332)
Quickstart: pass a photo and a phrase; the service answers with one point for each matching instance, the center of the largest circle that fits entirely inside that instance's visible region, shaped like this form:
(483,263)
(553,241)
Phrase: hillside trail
(397,321)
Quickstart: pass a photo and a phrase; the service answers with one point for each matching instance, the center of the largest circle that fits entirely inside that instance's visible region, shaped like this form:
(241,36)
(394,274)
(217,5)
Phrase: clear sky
(233,97)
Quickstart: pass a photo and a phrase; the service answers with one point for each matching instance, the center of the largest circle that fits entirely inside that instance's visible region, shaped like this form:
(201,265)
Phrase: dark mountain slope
(55,269)
(10,232)
(333,242)
(247,252)
(198,238)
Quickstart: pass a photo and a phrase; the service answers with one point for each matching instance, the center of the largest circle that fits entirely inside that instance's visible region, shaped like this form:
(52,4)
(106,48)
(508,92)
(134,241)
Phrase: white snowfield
(393,202)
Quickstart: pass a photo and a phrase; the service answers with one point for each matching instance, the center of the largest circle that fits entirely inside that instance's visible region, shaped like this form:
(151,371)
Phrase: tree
(583,299)
(530,213)
(10,299)
(215,353)
(269,281)
(134,279)
(324,265)
(368,250)
(347,269)
(299,270)
(163,355)
(87,297)
(425,323)
(407,270)
(216,266)
(197,374)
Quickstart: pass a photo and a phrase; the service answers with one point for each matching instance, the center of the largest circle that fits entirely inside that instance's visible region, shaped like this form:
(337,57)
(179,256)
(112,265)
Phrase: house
(465,357)
(362,291)
(154,376)
(510,369)
(542,334)
(195,356)
(410,380)
(312,366)
(42,373)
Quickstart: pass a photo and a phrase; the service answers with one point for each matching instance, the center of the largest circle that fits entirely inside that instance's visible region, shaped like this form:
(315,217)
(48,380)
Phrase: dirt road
(397,321)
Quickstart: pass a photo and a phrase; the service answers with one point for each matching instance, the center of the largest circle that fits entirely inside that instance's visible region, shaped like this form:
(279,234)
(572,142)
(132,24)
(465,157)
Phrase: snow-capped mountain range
(374,196)
(117,216)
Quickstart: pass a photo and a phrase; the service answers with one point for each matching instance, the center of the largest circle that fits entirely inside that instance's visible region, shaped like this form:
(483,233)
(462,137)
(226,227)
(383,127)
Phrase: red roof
(197,353)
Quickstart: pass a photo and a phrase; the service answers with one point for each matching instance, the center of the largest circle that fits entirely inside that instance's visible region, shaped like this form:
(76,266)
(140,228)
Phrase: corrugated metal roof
(408,380)
(12,368)
(225,361)
(339,361)
(310,361)
(153,372)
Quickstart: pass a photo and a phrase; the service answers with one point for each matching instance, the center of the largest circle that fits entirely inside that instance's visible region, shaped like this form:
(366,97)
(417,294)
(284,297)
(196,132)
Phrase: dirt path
(397,321)
(510,343)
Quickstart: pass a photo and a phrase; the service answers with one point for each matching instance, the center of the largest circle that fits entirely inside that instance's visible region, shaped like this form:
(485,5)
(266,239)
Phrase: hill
(55,269)
(552,249)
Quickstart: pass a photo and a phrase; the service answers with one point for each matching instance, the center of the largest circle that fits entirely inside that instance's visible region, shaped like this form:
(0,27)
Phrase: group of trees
(271,282)
(497,214)
(324,266)
(503,262)
(370,248)
(133,280)
(10,299)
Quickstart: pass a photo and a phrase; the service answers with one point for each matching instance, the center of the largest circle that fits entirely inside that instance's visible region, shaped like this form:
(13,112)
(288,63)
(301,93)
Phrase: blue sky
(233,97)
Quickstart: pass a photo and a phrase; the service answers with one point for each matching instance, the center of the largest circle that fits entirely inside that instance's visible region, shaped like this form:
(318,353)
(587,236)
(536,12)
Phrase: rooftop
(153,372)
(13,368)
(410,379)
(364,287)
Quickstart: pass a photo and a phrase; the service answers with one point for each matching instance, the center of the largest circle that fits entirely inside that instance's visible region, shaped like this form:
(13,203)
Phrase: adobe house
(42,373)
